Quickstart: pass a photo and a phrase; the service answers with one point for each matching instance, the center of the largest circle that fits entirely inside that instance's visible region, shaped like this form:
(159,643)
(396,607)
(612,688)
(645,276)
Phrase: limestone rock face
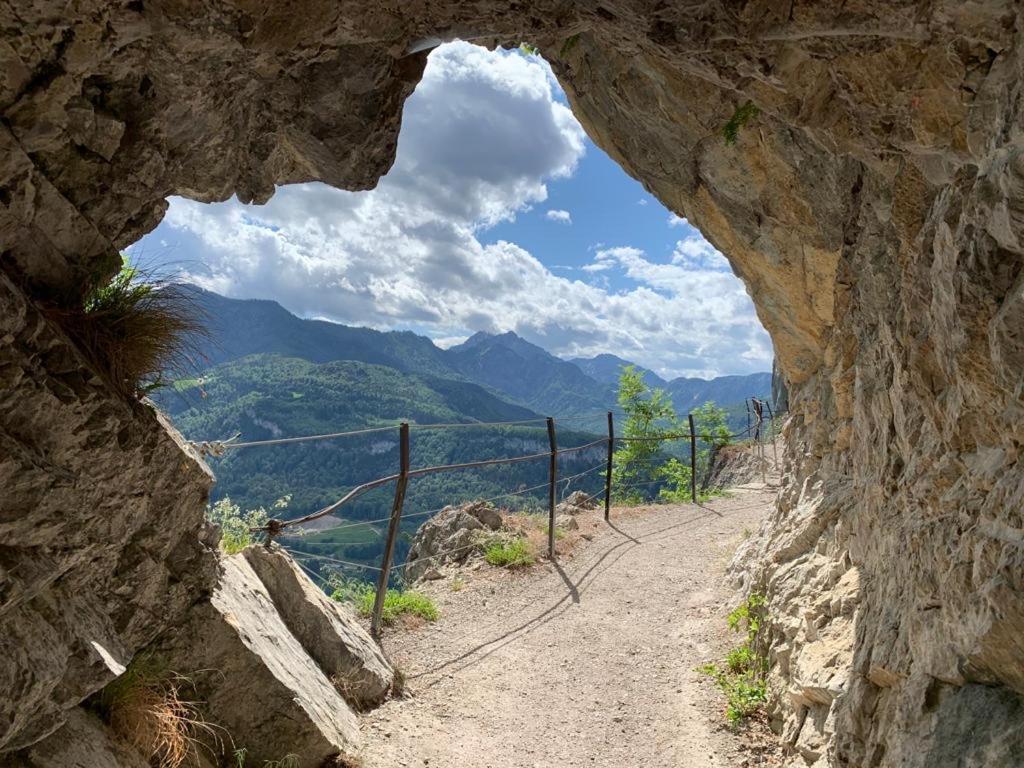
(874,207)
(255,679)
(101,515)
(449,537)
(82,742)
(326,629)
(575,503)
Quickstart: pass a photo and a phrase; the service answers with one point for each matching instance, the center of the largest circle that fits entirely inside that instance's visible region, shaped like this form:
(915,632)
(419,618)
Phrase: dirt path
(589,664)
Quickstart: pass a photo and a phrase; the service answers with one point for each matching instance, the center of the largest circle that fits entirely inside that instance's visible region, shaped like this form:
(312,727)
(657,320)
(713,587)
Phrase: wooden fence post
(396,518)
(608,471)
(693,460)
(551,488)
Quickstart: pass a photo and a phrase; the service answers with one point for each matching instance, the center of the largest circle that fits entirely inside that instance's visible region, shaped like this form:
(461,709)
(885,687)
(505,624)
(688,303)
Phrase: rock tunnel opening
(873,211)
(505,239)
(498,215)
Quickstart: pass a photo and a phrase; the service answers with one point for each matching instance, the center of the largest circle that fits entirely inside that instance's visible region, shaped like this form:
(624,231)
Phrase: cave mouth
(870,203)
(500,223)
(499,214)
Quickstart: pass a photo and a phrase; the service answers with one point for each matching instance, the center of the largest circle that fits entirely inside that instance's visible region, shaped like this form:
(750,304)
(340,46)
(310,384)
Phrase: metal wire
(602,441)
(213,445)
(459,424)
(645,438)
(447,552)
(310,555)
(217,447)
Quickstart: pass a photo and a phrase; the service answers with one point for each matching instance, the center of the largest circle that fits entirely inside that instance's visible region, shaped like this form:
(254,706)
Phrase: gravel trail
(587,663)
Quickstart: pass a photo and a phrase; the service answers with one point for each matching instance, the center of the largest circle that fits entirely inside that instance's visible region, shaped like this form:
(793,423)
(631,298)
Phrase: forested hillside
(270,374)
(506,365)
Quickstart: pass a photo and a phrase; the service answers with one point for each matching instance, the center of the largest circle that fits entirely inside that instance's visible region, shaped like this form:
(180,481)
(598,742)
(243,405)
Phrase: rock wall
(873,206)
(101,516)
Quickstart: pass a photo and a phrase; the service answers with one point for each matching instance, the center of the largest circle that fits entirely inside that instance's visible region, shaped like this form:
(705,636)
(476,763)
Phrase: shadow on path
(574,589)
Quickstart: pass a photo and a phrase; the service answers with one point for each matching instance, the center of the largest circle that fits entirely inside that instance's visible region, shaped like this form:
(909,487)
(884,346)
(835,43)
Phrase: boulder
(256,680)
(84,741)
(579,500)
(576,503)
(327,630)
(449,536)
(566,522)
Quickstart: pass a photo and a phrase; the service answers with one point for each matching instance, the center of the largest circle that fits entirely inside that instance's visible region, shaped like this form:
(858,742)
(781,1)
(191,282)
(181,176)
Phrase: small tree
(677,478)
(649,414)
(235,523)
(712,429)
(711,426)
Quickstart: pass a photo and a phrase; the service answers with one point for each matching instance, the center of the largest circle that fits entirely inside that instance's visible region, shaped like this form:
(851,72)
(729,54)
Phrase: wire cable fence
(275,528)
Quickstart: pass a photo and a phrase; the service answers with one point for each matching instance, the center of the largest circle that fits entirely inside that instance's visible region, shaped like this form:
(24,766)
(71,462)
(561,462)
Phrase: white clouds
(677,221)
(444,342)
(482,135)
(695,252)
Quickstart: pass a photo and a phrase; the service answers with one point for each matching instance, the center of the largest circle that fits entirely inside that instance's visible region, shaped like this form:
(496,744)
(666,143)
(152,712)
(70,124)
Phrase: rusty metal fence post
(396,518)
(551,487)
(608,471)
(693,460)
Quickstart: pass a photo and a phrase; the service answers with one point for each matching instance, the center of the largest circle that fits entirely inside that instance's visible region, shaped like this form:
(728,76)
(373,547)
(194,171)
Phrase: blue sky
(606,206)
(499,214)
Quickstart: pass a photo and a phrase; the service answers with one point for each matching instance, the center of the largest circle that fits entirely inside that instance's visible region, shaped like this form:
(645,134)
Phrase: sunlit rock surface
(873,206)
(326,629)
(256,680)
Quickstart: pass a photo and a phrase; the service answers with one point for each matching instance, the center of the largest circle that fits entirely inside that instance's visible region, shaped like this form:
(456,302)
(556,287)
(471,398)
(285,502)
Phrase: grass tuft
(288,761)
(397,603)
(145,707)
(509,554)
(135,331)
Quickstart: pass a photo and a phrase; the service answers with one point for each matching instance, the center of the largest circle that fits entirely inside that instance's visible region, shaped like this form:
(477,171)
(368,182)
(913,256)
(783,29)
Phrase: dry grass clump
(145,708)
(135,330)
(349,688)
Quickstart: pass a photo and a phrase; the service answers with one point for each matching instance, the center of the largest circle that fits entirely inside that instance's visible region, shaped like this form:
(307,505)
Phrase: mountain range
(505,365)
(269,374)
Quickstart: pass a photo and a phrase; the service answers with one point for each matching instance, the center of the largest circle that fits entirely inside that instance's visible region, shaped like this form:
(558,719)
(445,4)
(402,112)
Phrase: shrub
(743,115)
(397,602)
(144,706)
(743,677)
(135,330)
(509,554)
(236,524)
(744,693)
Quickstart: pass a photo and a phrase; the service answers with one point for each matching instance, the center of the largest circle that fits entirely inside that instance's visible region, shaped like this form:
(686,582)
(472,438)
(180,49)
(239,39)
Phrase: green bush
(644,468)
(742,679)
(743,115)
(235,523)
(397,602)
(509,554)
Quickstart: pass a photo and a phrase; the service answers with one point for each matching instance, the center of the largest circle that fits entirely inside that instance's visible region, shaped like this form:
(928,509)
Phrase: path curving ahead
(589,664)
